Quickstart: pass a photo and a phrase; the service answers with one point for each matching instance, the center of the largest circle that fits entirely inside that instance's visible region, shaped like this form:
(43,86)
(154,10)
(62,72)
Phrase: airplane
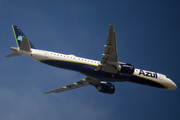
(99,74)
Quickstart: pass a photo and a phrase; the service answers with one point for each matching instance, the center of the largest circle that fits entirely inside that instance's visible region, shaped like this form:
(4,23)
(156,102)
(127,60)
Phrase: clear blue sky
(148,36)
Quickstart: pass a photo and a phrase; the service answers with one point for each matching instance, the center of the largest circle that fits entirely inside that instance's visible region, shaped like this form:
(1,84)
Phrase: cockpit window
(161,76)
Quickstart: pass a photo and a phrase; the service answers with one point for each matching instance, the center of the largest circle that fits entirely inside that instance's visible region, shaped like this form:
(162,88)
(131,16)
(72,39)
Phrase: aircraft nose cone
(172,85)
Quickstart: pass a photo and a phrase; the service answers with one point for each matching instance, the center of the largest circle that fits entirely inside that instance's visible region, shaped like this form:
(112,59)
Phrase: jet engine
(106,87)
(126,68)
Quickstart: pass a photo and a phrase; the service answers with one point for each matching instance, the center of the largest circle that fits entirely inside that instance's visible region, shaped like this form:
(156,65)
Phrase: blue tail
(19,36)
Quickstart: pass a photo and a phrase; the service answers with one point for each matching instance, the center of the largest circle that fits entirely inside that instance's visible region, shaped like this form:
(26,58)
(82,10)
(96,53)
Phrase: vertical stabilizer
(19,36)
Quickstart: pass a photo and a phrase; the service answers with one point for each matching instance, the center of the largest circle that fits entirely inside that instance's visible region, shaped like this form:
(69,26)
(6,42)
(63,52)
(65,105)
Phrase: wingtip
(111,25)
(47,92)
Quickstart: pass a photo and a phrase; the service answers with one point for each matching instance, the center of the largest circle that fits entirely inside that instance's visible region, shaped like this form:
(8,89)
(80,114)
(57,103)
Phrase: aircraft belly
(87,70)
(104,76)
(68,65)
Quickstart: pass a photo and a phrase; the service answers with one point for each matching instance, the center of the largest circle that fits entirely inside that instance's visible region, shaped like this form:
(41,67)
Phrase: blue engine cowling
(106,87)
(126,68)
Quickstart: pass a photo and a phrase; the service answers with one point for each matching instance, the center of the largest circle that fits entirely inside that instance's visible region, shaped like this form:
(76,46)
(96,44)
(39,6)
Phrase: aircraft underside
(99,73)
(89,70)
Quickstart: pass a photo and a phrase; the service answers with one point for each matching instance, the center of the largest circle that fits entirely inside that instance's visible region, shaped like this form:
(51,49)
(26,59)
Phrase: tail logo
(20,37)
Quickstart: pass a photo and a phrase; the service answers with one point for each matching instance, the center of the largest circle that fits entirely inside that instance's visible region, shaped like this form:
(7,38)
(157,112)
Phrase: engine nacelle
(106,87)
(126,68)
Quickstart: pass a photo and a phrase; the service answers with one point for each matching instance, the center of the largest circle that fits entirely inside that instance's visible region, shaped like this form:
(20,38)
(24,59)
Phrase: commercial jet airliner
(98,73)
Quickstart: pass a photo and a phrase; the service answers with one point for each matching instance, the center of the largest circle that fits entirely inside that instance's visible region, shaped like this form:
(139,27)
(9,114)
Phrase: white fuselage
(87,66)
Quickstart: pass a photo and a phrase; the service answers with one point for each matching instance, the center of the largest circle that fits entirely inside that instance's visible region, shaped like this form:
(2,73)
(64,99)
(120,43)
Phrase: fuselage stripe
(69,61)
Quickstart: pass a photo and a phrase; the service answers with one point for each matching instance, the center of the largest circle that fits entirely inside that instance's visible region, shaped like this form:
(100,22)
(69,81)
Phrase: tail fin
(19,36)
(22,42)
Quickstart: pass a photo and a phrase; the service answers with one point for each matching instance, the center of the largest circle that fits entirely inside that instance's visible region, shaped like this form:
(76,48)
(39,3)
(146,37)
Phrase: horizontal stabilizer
(12,54)
(25,45)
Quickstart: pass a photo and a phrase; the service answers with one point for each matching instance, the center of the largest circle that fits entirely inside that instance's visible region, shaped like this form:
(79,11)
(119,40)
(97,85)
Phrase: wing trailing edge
(81,83)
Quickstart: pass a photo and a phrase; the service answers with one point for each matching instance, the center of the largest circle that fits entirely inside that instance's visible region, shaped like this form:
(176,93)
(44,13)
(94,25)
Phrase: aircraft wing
(109,61)
(77,84)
